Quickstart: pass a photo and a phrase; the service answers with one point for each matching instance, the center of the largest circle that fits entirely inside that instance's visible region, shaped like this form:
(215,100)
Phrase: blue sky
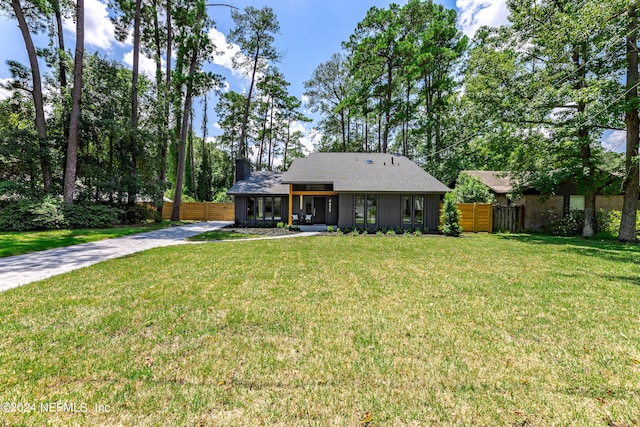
(310,32)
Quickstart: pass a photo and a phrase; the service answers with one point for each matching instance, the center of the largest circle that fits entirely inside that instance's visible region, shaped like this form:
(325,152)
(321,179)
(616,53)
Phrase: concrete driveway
(22,269)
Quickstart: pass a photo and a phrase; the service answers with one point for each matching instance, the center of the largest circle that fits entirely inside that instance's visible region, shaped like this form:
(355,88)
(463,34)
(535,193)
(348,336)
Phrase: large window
(418,211)
(360,199)
(372,210)
(264,209)
(251,208)
(366,210)
(413,210)
(277,209)
(259,208)
(576,203)
(407,211)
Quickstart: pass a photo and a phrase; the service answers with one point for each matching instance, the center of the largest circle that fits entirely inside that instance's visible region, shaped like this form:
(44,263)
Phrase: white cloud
(5,93)
(225,53)
(615,141)
(147,65)
(473,14)
(98,28)
(309,135)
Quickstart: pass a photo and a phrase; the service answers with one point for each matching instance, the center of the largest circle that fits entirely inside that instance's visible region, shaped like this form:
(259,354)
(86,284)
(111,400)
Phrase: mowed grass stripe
(343,330)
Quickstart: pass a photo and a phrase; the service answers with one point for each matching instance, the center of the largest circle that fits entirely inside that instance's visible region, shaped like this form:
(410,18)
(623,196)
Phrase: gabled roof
(261,183)
(499,182)
(363,172)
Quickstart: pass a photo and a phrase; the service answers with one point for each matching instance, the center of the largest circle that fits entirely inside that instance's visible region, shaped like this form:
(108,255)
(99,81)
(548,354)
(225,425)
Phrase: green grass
(480,330)
(222,235)
(17,243)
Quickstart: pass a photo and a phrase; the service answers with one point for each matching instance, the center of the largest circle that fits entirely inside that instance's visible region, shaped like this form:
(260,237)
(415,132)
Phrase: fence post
(475,217)
(491,219)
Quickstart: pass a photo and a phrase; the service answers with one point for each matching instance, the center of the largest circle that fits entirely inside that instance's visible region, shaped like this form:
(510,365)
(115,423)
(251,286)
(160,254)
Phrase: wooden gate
(508,218)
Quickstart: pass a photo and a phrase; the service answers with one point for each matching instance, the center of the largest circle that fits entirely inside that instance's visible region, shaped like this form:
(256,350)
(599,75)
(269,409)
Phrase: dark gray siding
(432,220)
(389,210)
(346,218)
(241,209)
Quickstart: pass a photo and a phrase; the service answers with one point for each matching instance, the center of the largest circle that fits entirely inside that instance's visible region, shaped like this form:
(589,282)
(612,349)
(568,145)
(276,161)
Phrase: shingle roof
(260,183)
(499,182)
(363,172)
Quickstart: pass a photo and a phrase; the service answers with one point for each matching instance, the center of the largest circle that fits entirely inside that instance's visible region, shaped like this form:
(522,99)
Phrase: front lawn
(22,242)
(338,330)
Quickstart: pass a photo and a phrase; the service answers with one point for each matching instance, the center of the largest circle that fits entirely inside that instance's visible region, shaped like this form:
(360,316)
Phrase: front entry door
(320,210)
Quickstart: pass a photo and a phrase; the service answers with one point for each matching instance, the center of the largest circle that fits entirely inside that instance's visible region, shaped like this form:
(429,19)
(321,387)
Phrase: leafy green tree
(469,189)
(631,186)
(327,90)
(450,217)
(556,86)
(254,33)
(29,22)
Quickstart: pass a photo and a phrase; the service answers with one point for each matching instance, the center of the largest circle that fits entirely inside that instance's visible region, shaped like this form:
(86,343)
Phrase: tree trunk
(631,187)
(36,92)
(62,67)
(192,157)
(177,197)
(343,125)
(160,97)
(74,120)
(133,136)
(245,119)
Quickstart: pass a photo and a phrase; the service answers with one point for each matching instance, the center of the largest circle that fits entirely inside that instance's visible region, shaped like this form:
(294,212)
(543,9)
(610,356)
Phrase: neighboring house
(540,208)
(347,190)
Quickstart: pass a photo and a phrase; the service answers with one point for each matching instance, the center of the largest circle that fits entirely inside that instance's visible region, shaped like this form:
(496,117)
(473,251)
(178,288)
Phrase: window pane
(406,210)
(418,209)
(371,209)
(268,208)
(576,203)
(251,208)
(277,209)
(360,209)
(260,209)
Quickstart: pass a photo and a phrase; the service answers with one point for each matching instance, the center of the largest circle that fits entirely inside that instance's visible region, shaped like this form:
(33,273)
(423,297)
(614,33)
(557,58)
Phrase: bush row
(572,224)
(50,213)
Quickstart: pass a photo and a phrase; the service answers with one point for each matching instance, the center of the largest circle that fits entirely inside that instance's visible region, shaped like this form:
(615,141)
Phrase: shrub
(330,228)
(280,224)
(470,189)
(418,232)
(567,225)
(91,216)
(25,214)
(134,214)
(450,217)
(391,232)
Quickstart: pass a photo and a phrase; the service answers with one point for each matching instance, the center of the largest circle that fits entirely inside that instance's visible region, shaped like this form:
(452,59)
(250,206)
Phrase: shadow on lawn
(609,250)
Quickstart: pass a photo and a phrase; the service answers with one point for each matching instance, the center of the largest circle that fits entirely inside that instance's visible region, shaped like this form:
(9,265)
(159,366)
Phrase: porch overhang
(293,193)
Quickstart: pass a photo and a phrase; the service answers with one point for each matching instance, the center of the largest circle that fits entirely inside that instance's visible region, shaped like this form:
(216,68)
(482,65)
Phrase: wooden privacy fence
(204,211)
(476,217)
(508,218)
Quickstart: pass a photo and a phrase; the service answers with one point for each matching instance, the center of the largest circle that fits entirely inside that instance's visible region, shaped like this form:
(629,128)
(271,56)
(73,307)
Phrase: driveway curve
(22,269)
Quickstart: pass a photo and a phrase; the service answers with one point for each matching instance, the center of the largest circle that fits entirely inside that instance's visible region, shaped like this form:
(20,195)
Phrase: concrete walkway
(22,269)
